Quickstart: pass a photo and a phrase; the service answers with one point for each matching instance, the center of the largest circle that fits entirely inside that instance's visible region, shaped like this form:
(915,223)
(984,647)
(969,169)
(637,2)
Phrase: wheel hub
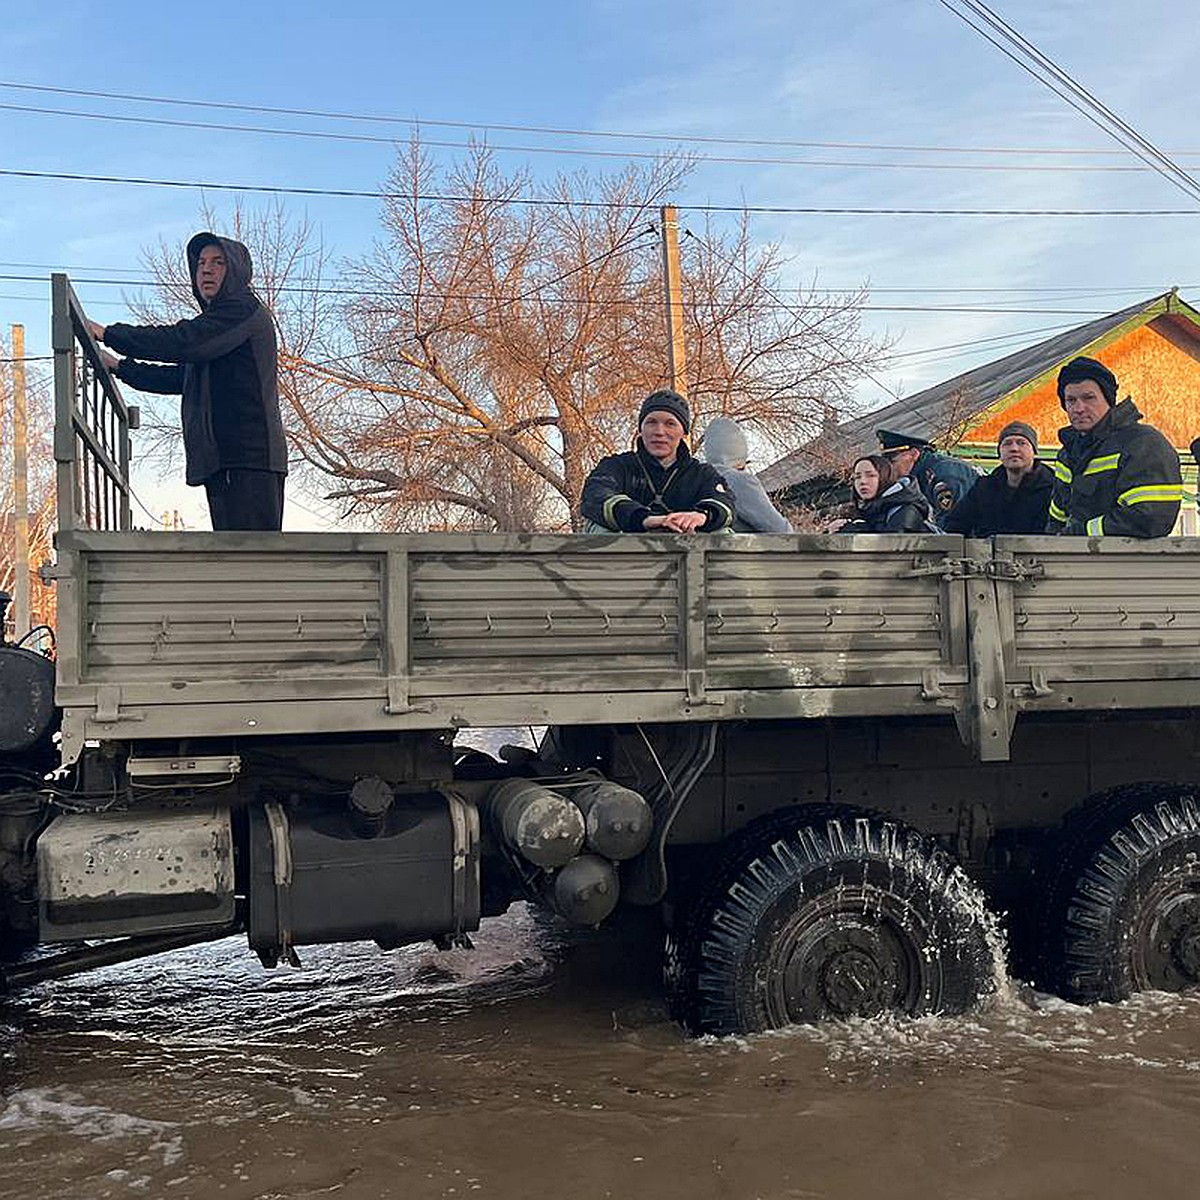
(853,983)
(1172,959)
(846,969)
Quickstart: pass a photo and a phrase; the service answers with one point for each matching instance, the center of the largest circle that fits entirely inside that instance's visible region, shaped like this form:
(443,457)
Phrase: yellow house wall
(1156,364)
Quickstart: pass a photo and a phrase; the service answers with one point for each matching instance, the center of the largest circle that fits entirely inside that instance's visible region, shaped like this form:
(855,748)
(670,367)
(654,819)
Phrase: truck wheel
(1130,917)
(828,914)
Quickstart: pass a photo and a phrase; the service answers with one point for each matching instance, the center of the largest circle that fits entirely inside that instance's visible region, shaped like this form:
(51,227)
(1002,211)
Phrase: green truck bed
(167,635)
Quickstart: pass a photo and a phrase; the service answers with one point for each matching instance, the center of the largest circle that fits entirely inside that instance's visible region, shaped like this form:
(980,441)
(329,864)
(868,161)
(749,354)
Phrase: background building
(1152,347)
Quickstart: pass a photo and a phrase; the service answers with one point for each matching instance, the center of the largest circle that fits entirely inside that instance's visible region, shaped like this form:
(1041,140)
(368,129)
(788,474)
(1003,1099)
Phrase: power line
(483,298)
(550,130)
(974,343)
(573,151)
(550,202)
(1047,72)
(806,324)
(1076,291)
(630,241)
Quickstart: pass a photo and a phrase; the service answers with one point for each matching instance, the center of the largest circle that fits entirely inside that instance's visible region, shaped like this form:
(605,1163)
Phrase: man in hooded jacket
(224,365)
(1114,475)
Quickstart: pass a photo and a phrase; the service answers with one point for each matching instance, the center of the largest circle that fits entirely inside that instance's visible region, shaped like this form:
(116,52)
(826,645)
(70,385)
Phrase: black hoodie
(226,370)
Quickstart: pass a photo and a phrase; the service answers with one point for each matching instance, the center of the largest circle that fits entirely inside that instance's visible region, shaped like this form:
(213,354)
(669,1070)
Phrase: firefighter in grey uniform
(943,480)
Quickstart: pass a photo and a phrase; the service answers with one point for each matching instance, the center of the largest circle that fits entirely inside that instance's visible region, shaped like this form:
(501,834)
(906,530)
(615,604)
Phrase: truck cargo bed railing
(92,423)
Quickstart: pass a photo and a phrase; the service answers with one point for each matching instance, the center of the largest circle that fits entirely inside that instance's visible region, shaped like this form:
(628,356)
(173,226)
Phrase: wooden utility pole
(21,620)
(673,287)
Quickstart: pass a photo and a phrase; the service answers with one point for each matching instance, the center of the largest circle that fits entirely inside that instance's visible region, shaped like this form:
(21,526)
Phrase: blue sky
(862,72)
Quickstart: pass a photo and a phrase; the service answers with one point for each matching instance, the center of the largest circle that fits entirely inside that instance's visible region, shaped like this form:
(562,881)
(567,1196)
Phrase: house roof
(949,405)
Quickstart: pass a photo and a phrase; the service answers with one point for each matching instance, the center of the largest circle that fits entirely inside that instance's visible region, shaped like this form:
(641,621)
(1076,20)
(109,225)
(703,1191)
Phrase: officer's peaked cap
(893,442)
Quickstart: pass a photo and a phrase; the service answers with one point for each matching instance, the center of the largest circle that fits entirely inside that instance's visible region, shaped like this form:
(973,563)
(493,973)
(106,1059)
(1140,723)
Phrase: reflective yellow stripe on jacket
(1062,472)
(1057,513)
(723,507)
(1106,462)
(610,508)
(1149,493)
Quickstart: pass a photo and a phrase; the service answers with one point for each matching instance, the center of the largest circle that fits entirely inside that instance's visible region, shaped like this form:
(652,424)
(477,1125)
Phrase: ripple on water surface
(544,1061)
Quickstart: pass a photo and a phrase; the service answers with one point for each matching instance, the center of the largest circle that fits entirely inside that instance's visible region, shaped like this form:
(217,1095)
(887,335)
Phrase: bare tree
(41,495)
(499,338)
(501,347)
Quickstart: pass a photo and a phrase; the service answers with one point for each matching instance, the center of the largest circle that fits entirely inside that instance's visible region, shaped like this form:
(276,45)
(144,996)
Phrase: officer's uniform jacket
(943,481)
(1120,478)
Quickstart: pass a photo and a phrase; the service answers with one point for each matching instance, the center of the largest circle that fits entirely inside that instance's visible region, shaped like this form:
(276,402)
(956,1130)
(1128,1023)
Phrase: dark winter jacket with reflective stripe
(225,367)
(624,489)
(1120,479)
(900,509)
(992,507)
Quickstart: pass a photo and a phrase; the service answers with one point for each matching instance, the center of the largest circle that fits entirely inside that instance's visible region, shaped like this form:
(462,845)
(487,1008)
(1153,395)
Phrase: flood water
(542,1064)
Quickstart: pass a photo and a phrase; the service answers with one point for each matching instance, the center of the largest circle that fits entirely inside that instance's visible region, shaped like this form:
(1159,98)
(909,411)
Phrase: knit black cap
(1079,369)
(667,401)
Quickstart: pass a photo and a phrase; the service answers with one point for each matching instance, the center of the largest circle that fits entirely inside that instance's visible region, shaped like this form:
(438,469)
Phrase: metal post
(62,341)
(20,484)
(672,282)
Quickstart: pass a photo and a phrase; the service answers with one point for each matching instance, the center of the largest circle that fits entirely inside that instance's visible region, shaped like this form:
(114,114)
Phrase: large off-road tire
(818,914)
(1126,916)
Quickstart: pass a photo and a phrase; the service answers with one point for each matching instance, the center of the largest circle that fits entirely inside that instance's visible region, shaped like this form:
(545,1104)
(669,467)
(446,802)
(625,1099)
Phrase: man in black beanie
(1114,475)
(658,485)
(1015,497)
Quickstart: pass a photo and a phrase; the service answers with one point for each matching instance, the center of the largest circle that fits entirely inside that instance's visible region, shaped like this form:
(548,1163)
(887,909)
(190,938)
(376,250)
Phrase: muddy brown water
(542,1064)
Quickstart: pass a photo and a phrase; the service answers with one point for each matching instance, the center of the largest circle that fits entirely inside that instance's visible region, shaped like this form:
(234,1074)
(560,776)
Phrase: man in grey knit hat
(1015,497)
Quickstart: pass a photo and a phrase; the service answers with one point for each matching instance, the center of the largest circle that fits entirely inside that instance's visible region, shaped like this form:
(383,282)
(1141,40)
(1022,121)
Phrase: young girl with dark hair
(884,503)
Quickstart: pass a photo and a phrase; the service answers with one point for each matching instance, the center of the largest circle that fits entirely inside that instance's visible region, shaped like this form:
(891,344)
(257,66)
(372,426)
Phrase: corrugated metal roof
(933,412)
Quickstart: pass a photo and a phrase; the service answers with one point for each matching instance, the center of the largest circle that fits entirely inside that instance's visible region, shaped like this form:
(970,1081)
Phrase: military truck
(832,765)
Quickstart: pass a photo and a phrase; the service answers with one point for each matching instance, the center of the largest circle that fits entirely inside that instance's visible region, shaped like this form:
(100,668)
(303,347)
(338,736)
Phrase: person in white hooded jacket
(725,448)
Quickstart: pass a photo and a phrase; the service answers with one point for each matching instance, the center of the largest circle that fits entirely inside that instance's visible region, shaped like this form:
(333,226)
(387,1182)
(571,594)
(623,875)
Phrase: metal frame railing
(92,423)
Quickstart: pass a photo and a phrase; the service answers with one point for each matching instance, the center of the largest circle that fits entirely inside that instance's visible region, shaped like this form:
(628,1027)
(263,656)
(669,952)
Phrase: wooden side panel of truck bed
(218,635)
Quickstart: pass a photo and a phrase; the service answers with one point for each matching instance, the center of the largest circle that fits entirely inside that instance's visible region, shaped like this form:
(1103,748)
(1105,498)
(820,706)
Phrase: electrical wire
(470,297)
(1048,73)
(1124,132)
(555,131)
(74,268)
(805,323)
(626,244)
(551,202)
(572,151)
